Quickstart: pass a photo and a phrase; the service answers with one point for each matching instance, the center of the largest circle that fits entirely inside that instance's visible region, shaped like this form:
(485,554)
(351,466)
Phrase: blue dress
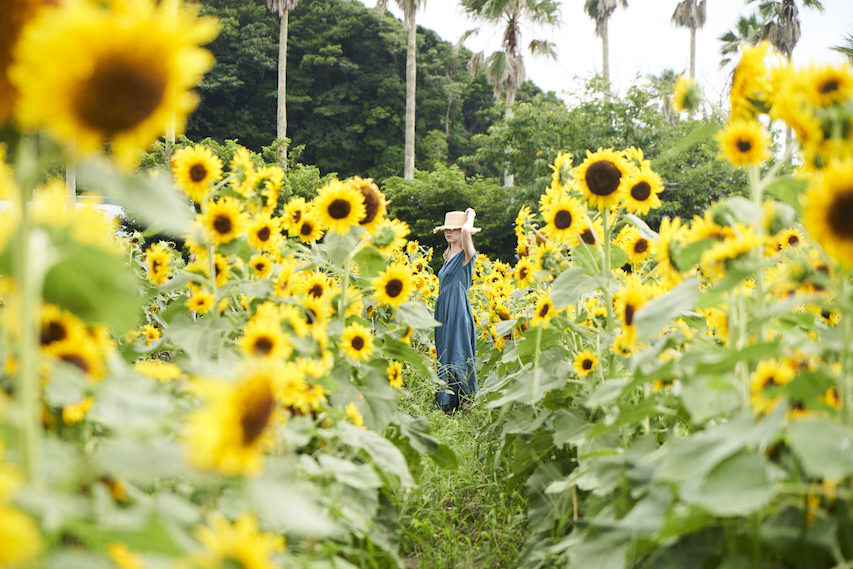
(454,339)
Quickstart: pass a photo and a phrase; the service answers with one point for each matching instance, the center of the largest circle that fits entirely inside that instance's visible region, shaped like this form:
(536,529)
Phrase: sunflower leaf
(824,446)
(787,190)
(658,312)
(570,286)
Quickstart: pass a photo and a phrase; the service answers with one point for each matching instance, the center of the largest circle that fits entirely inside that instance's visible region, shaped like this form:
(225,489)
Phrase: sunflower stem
(211,259)
(536,370)
(757,190)
(846,367)
(29,270)
(605,269)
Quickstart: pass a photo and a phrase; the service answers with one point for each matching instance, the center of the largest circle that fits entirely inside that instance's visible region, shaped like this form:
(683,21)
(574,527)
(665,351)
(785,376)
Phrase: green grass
(465,517)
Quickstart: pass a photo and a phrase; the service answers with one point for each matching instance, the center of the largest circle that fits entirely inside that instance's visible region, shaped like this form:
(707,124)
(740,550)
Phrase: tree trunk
(605,61)
(281,111)
(693,53)
(509,179)
(411,77)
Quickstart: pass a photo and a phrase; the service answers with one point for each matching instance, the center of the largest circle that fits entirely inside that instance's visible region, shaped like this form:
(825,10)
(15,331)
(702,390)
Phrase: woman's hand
(467,242)
(470,214)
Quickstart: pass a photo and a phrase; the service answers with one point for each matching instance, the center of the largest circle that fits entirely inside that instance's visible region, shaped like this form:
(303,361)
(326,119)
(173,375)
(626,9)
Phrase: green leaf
(339,247)
(152,537)
(658,312)
(737,486)
(685,258)
(396,350)
(706,397)
(95,285)
(824,447)
(788,189)
(415,314)
(370,262)
(384,454)
(645,230)
(699,134)
(570,286)
(153,201)
(416,429)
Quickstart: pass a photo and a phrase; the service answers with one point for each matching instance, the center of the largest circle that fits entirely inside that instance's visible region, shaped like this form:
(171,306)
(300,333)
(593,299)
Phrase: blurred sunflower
(585,362)
(670,233)
(96,73)
(356,342)
(744,143)
(393,285)
(561,175)
(354,415)
(15,15)
(196,169)
(20,541)
(308,229)
(626,302)
(828,211)
(634,243)
(374,203)
(525,270)
(395,374)
(238,545)
(765,381)
(602,178)
(338,207)
(789,239)
(563,217)
(81,351)
(590,232)
(200,301)
(263,338)
(313,283)
(291,217)
(228,432)
(751,85)
(261,265)
(158,369)
(222,220)
(686,95)
(264,233)
(390,236)
(58,325)
(642,189)
(827,84)
(544,311)
(157,260)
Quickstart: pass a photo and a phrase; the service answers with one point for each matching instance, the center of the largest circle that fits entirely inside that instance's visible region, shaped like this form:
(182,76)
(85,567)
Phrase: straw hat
(454,220)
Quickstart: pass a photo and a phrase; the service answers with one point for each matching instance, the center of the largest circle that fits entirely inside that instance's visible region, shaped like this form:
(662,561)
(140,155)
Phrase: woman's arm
(467,242)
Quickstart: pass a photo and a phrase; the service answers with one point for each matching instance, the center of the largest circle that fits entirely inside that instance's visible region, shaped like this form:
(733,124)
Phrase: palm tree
(690,14)
(847,48)
(783,22)
(410,8)
(600,11)
(282,8)
(505,68)
(747,30)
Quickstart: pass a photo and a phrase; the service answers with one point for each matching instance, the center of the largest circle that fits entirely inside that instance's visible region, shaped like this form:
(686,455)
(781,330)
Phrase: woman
(454,339)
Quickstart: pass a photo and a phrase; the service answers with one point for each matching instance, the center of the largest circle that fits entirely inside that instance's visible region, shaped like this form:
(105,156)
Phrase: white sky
(642,41)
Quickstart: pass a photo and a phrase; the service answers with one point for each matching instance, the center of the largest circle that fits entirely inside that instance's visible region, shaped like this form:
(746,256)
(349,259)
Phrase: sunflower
(765,381)
(744,143)
(590,232)
(354,415)
(393,285)
(82,352)
(602,178)
(356,342)
(716,260)
(264,234)
(309,229)
(157,259)
(240,544)
(15,17)
(789,239)
(291,216)
(390,236)
(525,270)
(687,95)
(338,206)
(263,189)
(562,168)
(222,220)
(96,73)
(195,168)
(626,303)
(315,314)
(544,311)
(76,412)
(395,374)
(563,217)
(263,338)
(20,541)
(158,369)
(313,283)
(827,85)
(828,213)
(201,301)
(227,433)
(750,82)
(374,203)
(286,279)
(585,362)
(670,233)
(58,325)
(261,265)
(634,243)
(642,189)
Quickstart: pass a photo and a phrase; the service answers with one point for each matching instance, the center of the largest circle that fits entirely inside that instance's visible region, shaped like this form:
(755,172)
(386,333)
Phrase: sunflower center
(53,332)
(263,234)
(563,219)
(310,316)
(306,229)
(587,236)
(296,216)
(357,343)
(544,310)
(829,86)
(119,95)
(76,360)
(263,345)
(840,216)
(793,239)
(255,417)
(372,203)
(198,173)
(641,191)
(769,382)
(641,246)
(222,224)
(744,146)
(155,264)
(586,364)
(316,290)
(629,314)
(339,209)
(522,273)
(393,288)
(260,266)
(603,177)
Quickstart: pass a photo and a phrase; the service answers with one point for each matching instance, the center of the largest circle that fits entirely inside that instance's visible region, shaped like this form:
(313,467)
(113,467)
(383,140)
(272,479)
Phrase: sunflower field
(253,397)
